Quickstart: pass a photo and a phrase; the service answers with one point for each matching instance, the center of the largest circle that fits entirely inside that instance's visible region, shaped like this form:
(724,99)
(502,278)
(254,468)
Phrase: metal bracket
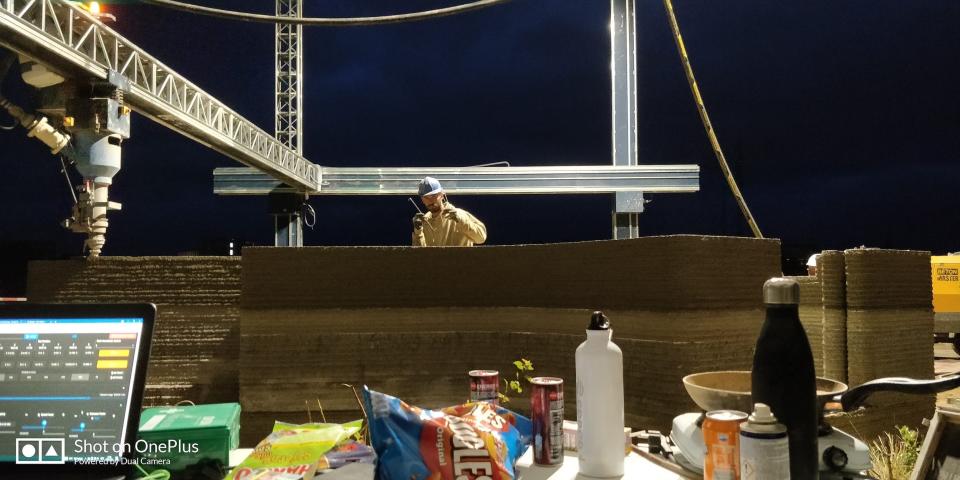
(629,202)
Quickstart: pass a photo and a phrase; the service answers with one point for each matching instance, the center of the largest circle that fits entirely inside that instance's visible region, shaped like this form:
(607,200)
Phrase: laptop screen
(76,376)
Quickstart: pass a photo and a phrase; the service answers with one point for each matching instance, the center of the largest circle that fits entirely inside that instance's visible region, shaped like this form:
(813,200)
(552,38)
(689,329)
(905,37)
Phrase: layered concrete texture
(889,331)
(195,342)
(868,314)
(412,322)
(811,317)
(831,270)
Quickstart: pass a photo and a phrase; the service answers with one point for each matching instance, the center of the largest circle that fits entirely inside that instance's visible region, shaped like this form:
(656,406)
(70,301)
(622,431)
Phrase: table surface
(635,466)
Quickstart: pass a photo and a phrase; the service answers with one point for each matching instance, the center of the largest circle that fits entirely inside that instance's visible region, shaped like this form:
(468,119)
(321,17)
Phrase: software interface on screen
(69,378)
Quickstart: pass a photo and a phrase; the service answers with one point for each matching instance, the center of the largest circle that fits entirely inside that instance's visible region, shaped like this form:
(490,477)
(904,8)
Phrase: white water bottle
(600,438)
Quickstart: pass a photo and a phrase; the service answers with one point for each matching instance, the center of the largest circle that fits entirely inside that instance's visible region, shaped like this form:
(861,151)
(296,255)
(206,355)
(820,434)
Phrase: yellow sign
(945,272)
(111,364)
(106,353)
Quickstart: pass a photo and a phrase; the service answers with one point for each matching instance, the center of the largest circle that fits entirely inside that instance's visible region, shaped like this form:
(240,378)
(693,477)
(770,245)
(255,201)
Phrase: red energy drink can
(484,386)
(721,436)
(546,412)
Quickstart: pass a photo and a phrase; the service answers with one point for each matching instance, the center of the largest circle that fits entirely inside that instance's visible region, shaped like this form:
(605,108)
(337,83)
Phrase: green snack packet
(291,452)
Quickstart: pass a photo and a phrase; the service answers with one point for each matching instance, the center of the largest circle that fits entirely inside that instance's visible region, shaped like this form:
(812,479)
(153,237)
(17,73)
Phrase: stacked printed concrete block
(811,317)
(195,342)
(889,332)
(868,315)
(412,322)
(831,270)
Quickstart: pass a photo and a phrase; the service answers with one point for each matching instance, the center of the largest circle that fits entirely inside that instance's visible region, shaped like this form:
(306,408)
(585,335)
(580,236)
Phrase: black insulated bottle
(784,377)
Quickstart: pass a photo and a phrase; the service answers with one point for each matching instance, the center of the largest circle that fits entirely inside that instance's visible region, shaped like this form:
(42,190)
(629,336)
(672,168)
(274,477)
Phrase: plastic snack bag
(292,452)
(473,441)
(351,451)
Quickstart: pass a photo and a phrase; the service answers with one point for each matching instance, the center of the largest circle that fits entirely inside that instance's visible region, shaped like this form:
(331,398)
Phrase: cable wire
(494,164)
(682,50)
(66,175)
(305,210)
(324,22)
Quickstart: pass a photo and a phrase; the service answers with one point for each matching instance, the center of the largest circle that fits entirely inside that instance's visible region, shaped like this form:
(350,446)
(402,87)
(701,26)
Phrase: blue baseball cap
(429,186)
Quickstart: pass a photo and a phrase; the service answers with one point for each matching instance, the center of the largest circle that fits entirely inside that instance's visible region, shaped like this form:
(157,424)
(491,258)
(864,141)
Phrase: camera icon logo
(40,451)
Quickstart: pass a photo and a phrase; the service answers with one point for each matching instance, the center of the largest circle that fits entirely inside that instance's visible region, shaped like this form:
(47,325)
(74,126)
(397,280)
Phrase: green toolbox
(177,438)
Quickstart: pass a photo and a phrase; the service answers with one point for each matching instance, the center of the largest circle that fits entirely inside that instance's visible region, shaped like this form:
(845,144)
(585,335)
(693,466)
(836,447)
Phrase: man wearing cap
(812,264)
(444,225)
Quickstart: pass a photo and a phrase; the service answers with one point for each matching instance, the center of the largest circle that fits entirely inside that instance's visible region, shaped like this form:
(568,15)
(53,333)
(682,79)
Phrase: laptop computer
(71,388)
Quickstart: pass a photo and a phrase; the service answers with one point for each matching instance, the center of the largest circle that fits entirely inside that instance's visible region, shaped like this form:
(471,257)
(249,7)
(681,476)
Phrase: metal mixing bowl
(730,390)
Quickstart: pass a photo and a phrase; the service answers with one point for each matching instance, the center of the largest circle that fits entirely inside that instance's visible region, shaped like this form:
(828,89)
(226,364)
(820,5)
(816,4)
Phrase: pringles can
(721,435)
(484,386)
(546,412)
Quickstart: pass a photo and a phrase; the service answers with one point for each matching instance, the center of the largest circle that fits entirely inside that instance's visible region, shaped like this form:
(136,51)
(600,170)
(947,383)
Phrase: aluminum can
(721,434)
(764,447)
(546,412)
(484,386)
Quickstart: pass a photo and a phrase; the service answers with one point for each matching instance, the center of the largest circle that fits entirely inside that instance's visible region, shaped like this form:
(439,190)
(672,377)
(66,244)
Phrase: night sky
(841,121)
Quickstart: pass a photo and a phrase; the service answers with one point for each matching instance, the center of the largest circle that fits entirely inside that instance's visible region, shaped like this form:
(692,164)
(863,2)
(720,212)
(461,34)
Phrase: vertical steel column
(287,222)
(623,73)
(288,95)
(287,233)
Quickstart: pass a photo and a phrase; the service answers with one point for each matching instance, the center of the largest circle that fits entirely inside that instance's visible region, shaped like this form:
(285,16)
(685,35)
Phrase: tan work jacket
(442,231)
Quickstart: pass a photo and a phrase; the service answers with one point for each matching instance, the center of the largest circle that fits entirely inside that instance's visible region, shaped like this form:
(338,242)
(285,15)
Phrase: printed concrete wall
(889,332)
(412,322)
(811,317)
(831,270)
(195,343)
(876,320)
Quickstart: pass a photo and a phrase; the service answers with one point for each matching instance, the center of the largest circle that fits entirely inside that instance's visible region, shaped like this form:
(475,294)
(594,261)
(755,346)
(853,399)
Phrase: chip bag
(351,451)
(473,441)
(293,452)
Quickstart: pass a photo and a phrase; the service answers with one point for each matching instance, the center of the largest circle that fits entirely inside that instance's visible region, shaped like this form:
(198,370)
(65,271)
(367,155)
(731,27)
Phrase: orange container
(721,436)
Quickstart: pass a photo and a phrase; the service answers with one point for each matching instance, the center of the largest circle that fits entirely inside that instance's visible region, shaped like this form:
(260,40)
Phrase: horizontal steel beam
(70,40)
(474,180)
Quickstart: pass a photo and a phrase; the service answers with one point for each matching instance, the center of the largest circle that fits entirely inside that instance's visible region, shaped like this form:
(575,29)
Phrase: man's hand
(418,221)
(455,214)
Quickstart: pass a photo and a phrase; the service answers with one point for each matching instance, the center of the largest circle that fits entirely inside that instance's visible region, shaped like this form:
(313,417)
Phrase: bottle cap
(599,321)
(781,291)
(762,414)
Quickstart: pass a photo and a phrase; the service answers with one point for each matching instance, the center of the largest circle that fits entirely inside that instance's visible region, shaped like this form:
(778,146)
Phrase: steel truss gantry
(70,40)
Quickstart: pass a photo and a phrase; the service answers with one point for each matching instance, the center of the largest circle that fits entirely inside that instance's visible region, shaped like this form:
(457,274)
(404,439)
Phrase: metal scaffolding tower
(288,54)
(288,124)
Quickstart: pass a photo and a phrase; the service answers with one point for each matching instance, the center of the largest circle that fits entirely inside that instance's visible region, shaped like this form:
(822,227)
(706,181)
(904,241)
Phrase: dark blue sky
(841,121)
